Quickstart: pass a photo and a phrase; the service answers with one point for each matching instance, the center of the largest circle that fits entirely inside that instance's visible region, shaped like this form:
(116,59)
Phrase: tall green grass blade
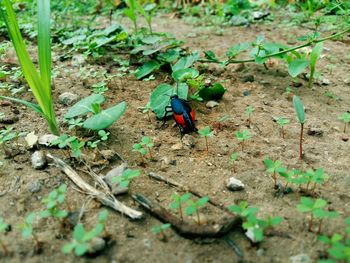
(33,106)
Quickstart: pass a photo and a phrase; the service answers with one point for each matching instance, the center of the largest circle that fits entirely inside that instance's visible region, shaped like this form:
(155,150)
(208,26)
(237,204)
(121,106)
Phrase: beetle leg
(167,110)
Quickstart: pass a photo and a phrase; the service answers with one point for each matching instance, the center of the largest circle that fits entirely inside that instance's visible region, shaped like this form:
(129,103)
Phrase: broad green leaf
(169,56)
(190,210)
(27,232)
(81,249)
(319,203)
(315,53)
(67,248)
(79,232)
(214,92)
(160,98)
(182,75)
(61,214)
(84,106)
(299,109)
(297,66)
(236,49)
(186,62)
(147,69)
(202,201)
(105,118)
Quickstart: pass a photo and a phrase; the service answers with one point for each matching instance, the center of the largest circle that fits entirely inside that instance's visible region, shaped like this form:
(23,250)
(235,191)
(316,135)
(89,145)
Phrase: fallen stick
(215,229)
(105,198)
(187,189)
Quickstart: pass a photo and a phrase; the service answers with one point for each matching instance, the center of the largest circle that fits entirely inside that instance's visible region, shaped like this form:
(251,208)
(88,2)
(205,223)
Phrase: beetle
(183,114)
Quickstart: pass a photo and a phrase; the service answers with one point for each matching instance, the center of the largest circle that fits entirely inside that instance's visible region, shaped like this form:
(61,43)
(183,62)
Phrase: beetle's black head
(174,96)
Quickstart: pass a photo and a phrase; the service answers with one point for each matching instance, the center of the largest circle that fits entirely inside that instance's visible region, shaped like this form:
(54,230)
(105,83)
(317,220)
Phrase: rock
(234,184)
(9,119)
(300,258)
(188,141)
(47,139)
(97,244)
(257,15)
(34,186)
(38,160)
(315,131)
(211,104)
(109,155)
(250,234)
(68,98)
(147,243)
(248,78)
(115,172)
(245,93)
(239,21)
(31,139)
(207,82)
(347,81)
(177,146)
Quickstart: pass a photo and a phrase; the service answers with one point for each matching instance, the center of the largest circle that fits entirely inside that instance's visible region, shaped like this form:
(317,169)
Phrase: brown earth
(134,242)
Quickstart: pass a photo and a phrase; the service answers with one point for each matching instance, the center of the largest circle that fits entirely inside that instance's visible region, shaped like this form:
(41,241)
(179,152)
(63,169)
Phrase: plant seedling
(243,136)
(339,249)
(159,230)
(206,133)
(76,146)
(233,159)
(194,206)
(6,135)
(314,56)
(73,123)
(273,168)
(178,201)
(315,208)
(103,135)
(345,117)
(102,219)
(281,123)
(27,231)
(3,228)
(125,179)
(52,201)
(148,143)
(300,112)
(249,111)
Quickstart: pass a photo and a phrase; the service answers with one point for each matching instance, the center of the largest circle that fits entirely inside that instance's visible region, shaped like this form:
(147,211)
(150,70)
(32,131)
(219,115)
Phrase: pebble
(34,186)
(239,21)
(347,81)
(109,155)
(73,217)
(175,147)
(248,78)
(234,184)
(250,234)
(38,160)
(97,244)
(115,172)
(9,119)
(211,104)
(31,139)
(300,258)
(46,139)
(315,130)
(68,98)
(188,141)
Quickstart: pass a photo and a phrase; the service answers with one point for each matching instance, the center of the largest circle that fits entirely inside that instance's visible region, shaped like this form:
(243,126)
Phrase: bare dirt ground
(134,241)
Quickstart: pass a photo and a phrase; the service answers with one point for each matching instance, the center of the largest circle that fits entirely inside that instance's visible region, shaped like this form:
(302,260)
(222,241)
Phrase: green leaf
(319,203)
(190,210)
(79,232)
(84,106)
(186,62)
(81,249)
(105,118)
(182,75)
(185,197)
(160,98)
(27,232)
(299,109)
(315,53)
(45,214)
(147,68)
(61,214)
(33,106)
(214,92)
(297,66)
(202,201)
(67,248)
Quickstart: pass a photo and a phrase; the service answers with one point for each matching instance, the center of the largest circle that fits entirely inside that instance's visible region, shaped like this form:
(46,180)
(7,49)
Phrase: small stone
(207,82)
(68,98)
(315,131)
(73,217)
(250,235)
(245,93)
(260,252)
(177,146)
(211,104)
(9,119)
(347,81)
(116,172)
(38,160)
(234,184)
(147,243)
(165,160)
(325,81)
(47,139)
(188,141)
(345,138)
(300,258)
(97,244)
(336,128)
(239,21)
(257,15)
(248,78)
(34,186)
(31,139)
(109,155)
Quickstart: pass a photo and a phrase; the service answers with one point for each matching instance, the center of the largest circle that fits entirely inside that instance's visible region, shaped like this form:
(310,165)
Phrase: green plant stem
(180,209)
(301,141)
(234,61)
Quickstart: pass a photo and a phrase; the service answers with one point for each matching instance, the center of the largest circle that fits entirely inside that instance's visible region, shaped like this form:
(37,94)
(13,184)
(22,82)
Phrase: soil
(206,172)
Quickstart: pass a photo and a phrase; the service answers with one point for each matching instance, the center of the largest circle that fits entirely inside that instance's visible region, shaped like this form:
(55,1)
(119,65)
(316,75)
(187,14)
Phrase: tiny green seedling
(300,112)
(206,133)
(314,56)
(143,147)
(339,248)
(74,123)
(52,201)
(103,135)
(194,206)
(99,88)
(178,201)
(281,122)
(3,228)
(160,231)
(27,231)
(125,179)
(7,135)
(249,111)
(273,168)
(315,208)
(243,137)
(233,159)
(345,117)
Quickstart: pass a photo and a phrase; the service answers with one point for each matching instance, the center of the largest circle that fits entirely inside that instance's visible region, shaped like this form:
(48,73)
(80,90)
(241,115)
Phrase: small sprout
(73,123)
(52,201)
(99,88)
(273,168)
(243,136)
(103,135)
(281,123)
(3,228)
(93,144)
(249,111)
(75,147)
(148,143)
(159,230)
(194,206)
(345,117)
(311,176)
(206,132)
(63,141)
(7,135)
(315,208)
(233,159)
(127,176)
(178,201)
(27,230)
(300,112)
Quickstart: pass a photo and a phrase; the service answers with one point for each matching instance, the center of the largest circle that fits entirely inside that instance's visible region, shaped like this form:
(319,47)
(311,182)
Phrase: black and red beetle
(182,113)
